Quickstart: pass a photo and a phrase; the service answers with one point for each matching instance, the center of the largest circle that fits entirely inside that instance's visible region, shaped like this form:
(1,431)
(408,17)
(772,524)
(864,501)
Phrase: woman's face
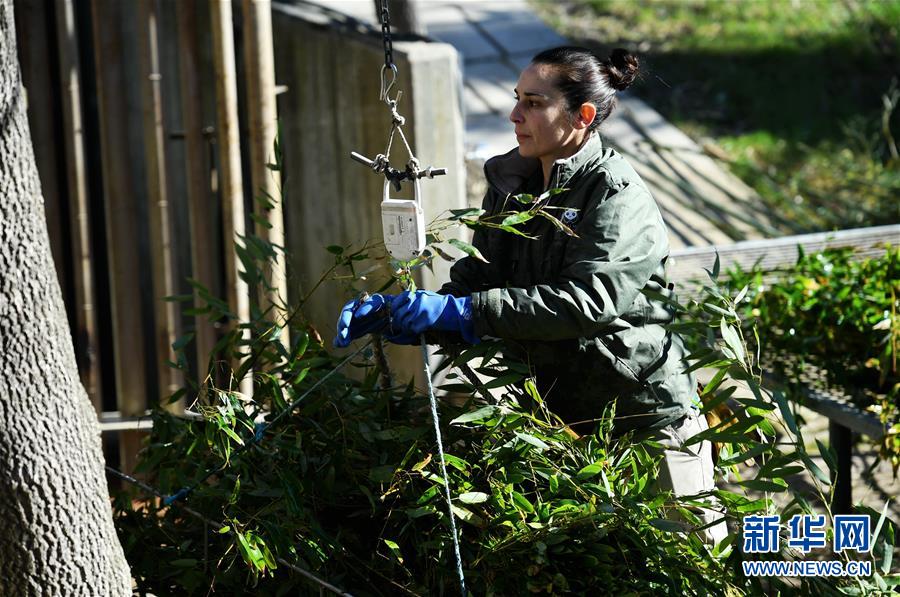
(543,126)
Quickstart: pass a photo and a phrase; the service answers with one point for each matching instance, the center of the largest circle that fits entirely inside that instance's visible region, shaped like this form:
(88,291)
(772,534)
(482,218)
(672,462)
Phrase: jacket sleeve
(469,275)
(622,241)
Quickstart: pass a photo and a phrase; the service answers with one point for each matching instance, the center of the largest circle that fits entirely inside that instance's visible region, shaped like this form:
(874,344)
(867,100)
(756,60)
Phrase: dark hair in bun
(582,77)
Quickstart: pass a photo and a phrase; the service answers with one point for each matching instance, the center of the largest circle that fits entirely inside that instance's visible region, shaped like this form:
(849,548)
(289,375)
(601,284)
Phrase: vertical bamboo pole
(166,324)
(198,192)
(231,184)
(259,61)
(79,207)
(121,221)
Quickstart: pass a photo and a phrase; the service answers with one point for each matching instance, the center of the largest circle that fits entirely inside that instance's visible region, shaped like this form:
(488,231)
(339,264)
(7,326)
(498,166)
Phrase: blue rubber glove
(413,313)
(361,317)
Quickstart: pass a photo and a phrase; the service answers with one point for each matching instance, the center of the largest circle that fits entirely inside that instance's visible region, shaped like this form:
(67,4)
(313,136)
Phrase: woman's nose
(515,116)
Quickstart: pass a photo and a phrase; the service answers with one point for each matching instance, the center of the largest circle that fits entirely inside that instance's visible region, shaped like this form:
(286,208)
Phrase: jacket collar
(507,172)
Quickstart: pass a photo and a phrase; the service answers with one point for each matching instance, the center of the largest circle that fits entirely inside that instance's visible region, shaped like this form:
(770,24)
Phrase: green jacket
(573,306)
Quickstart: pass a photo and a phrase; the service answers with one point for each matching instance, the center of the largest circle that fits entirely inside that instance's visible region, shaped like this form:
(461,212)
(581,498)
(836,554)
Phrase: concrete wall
(331,108)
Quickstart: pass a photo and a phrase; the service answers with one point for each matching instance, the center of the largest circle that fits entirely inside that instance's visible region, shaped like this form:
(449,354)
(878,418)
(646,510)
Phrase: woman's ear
(586,115)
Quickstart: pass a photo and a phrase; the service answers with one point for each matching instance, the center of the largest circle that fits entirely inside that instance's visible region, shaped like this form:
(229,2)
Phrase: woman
(574,306)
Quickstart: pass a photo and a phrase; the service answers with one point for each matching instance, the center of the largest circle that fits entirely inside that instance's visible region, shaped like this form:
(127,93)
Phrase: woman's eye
(528,103)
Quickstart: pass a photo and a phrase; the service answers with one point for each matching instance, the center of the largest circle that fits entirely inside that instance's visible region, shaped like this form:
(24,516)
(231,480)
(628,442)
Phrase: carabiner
(386,89)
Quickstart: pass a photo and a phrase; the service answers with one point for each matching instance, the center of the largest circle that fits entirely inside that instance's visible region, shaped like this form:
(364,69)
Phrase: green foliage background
(839,314)
(798,97)
(345,482)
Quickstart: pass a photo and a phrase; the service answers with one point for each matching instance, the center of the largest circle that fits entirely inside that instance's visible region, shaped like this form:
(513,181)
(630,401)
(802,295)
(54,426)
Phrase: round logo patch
(569,216)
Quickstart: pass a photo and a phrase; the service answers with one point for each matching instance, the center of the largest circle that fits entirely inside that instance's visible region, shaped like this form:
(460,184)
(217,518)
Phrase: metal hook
(386,89)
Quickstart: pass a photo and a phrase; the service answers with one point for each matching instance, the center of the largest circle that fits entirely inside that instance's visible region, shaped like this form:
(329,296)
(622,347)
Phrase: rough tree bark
(56,528)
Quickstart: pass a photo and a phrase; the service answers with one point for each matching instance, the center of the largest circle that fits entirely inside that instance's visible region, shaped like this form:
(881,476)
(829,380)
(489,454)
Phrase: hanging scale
(402,220)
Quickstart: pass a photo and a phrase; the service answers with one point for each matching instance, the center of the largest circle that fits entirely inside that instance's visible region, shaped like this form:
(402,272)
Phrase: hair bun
(621,69)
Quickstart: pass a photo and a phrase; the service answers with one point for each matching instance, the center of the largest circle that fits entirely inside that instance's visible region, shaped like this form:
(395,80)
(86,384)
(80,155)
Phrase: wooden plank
(831,403)
(35,40)
(166,321)
(231,181)
(687,264)
(85,317)
(259,65)
(121,207)
(122,218)
(201,210)
(113,421)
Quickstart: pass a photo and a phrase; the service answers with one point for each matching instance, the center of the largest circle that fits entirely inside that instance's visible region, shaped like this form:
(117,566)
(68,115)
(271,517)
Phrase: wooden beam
(230,179)
(121,207)
(200,208)
(259,64)
(166,312)
(85,320)
(687,264)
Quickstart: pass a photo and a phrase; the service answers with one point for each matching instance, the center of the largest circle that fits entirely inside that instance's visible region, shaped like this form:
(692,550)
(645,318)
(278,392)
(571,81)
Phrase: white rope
(440,444)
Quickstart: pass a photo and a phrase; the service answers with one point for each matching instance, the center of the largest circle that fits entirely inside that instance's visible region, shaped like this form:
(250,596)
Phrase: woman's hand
(413,313)
(365,315)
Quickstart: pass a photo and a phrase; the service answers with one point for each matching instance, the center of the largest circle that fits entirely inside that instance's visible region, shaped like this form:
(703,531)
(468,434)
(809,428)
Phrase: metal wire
(260,430)
(219,524)
(440,445)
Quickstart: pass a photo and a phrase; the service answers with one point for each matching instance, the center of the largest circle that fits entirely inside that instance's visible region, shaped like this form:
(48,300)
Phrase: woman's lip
(520,136)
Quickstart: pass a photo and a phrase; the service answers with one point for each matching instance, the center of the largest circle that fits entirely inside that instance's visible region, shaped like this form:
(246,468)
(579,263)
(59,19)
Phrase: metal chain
(386,36)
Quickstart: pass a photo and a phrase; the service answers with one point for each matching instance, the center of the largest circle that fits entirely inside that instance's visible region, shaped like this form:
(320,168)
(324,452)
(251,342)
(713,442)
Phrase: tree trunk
(56,529)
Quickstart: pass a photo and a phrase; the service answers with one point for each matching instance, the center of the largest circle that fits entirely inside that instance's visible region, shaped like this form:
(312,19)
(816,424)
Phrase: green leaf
(483,413)
(468,249)
(395,549)
(817,472)
(506,380)
(786,413)
(521,502)
(532,391)
(828,455)
(230,433)
(517,218)
(733,340)
(776,485)
(658,296)
(442,254)
(746,455)
(467,515)
(880,522)
(530,439)
(456,462)
(669,526)
(473,497)
(589,471)
(517,232)
(428,494)
(565,229)
(473,212)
